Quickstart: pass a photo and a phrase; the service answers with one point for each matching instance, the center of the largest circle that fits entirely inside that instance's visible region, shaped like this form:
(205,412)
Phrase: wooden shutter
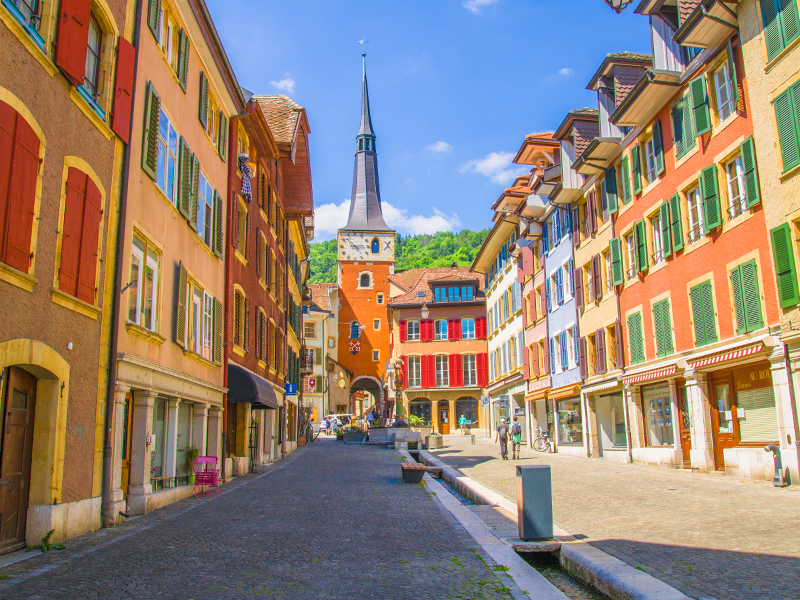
(74,195)
(154,18)
(452,368)
(535,359)
(703,313)
(659,329)
(666,346)
(576,238)
(560,286)
(546,354)
(700,111)
(483,369)
(598,277)
(222,142)
(658,147)
(636,161)
(73,39)
(641,245)
(90,237)
(217,339)
(152,113)
(123,90)
(431,370)
(579,301)
(247,235)
(480,326)
(709,317)
(785,266)
(732,74)
(258,252)
(712,214)
(235,223)
(676,224)
(600,350)
(627,196)
(619,355)
(203,100)
(183,58)
(677,128)
(180,318)
(590,275)
(246,317)
(591,203)
(185,179)
(738,300)
(526,365)
(194,197)
(615,253)
(634,338)
(752,192)
(611,190)
(664,224)
(696,295)
(402,331)
(584,367)
(787,122)
(219,231)
(790,21)
(752,295)
(564,350)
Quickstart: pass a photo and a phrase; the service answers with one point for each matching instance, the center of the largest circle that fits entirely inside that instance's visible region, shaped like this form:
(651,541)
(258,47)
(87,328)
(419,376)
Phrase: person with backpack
(516,439)
(502,435)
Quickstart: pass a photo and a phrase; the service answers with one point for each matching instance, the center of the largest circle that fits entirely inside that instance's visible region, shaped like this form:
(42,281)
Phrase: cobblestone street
(330,521)
(705,534)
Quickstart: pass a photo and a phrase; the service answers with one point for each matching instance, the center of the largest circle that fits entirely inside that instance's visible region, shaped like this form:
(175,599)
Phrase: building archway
(367,383)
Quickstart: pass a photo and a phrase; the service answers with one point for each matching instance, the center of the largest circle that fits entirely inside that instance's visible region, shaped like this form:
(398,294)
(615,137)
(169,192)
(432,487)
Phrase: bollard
(534,502)
(472,440)
(776,455)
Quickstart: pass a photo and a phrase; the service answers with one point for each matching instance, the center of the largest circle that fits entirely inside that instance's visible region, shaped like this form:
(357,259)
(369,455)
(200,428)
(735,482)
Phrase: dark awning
(244,386)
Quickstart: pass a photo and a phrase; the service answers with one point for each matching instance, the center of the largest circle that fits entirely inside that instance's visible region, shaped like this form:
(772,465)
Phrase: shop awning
(245,386)
(602,386)
(725,356)
(650,375)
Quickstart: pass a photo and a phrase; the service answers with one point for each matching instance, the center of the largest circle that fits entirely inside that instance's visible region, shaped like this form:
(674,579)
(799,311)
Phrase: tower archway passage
(371,385)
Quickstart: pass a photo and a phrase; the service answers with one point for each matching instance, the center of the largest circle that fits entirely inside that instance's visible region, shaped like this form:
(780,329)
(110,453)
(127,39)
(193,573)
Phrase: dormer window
(376,246)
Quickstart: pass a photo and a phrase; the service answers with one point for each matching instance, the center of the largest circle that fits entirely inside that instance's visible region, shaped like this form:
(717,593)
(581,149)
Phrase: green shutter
(709,317)
(152,113)
(180,318)
(635,338)
(712,214)
(682,126)
(675,222)
(636,160)
(663,218)
(203,100)
(732,74)
(772,28)
(154,18)
(752,296)
(222,141)
(677,128)
(752,193)
(789,21)
(194,197)
(738,300)
(658,147)
(626,181)
(640,236)
(219,235)
(785,115)
(696,294)
(615,251)
(217,348)
(663,327)
(611,190)
(689,135)
(700,111)
(785,269)
(185,179)
(183,58)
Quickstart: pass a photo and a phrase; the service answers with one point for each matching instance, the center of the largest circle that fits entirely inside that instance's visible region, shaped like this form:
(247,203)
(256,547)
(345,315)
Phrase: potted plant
(191,454)
(353,434)
(434,440)
(418,424)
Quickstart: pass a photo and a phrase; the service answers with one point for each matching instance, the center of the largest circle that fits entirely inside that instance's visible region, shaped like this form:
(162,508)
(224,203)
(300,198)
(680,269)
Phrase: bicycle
(542,441)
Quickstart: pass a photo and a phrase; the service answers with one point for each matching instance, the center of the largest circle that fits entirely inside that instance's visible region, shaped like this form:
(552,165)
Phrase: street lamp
(618,5)
(425,311)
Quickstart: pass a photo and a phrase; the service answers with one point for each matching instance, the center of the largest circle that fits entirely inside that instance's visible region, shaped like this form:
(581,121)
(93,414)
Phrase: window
(636,339)
(92,73)
(208,324)
(380,298)
(723,90)
(440,329)
(376,324)
(309,330)
(705,329)
(658,415)
(414,372)
(663,328)
(242,226)
(355,330)
(630,246)
(787,109)
(205,210)
(143,291)
(469,363)
(655,232)
(694,204)
(240,313)
(31,13)
(167,156)
(572,348)
(364,280)
(263,259)
(412,331)
(570,422)
(376,355)
(468,329)
(606,258)
(780,24)
(746,297)
(442,369)
(734,174)
(376,246)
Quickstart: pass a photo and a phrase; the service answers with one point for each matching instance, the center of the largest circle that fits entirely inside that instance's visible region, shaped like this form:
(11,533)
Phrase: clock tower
(365,251)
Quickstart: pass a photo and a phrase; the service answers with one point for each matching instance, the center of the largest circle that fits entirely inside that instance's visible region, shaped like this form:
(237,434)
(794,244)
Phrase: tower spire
(365,202)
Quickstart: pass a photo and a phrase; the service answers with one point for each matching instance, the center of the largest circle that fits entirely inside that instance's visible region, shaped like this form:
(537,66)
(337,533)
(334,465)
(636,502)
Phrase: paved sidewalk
(331,521)
(707,535)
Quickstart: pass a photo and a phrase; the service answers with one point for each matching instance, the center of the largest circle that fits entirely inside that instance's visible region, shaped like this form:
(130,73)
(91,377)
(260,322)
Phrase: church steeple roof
(365,202)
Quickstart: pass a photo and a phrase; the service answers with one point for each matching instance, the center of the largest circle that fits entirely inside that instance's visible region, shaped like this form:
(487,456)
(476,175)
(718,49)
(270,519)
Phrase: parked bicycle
(542,441)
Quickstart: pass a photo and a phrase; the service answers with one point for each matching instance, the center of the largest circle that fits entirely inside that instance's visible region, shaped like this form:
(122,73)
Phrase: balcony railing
(695,233)
(658,256)
(736,208)
(632,272)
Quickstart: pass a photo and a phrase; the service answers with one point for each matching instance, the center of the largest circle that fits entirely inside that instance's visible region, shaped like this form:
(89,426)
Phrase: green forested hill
(411,252)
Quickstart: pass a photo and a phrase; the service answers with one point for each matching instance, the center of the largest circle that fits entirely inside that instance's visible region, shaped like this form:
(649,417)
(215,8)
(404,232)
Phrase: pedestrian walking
(327,426)
(502,435)
(462,423)
(516,439)
(370,416)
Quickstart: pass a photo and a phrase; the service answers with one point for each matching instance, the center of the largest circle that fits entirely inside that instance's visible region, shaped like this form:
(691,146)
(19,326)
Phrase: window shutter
(74,194)
(582,363)
(615,253)
(183,59)
(545,243)
(675,222)
(700,111)
(402,331)
(217,315)
(696,295)
(592,202)
(180,318)
(641,245)
(709,318)
(787,122)
(785,266)
(579,304)
(195,197)
(219,232)
(752,296)
(185,181)
(571,278)
(123,90)
(790,21)
(664,223)
(154,18)
(152,114)
(738,300)
(712,215)
(203,100)
(732,74)
(658,147)
(752,193)
(600,350)
(431,370)
(552,353)
(535,359)
(598,277)
(73,39)
(526,366)
(457,330)
(556,226)
(678,133)
(666,326)
(637,169)
(222,143)
(575,221)
(480,325)
(235,229)
(247,235)
(635,340)
(611,190)
(590,275)
(560,287)
(619,356)
(627,197)
(452,376)
(483,369)
(564,351)
(90,236)
(547,293)
(258,252)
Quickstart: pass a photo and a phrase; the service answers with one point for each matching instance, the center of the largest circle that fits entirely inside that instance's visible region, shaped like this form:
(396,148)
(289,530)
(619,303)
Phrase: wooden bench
(413,472)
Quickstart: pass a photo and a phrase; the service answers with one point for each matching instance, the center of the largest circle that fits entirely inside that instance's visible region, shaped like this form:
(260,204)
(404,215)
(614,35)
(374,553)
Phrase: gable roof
(319,295)
(424,277)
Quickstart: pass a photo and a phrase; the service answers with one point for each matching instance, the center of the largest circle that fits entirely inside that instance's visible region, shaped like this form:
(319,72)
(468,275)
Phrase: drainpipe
(793,400)
(109,425)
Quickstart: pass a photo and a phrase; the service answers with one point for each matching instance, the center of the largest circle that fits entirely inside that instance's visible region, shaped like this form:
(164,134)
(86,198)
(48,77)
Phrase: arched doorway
(373,388)
(421,407)
(467,406)
(443,412)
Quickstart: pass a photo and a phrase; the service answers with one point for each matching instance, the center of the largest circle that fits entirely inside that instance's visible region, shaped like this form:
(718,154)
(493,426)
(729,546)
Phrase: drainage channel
(547,564)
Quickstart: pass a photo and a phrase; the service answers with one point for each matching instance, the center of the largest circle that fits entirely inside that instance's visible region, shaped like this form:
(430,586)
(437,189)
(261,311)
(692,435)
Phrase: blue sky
(455,85)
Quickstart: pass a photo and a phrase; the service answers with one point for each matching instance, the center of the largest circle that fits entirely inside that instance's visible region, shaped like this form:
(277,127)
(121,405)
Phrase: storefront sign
(753,377)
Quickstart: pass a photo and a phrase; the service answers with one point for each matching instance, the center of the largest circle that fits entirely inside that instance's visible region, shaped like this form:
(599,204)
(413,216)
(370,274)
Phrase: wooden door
(685,426)
(444,417)
(15,457)
(724,425)
(127,419)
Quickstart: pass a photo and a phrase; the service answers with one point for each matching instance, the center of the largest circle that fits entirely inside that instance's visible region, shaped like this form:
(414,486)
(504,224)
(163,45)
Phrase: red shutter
(483,369)
(452,378)
(74,194)
(480,328)
(431,370)
(526,369)
(90,236)
(73,38)
(403,335)
(24,168)
(535,349)
(527,261)
(578,277)
(532,304)
(600,350)
(591,205)
(543,308)
(123,89)
(423,371)
(427,330)
(598,276)
(404,371)
(460,369)
(619,349)
(454,329)
(525,313)
(8,120)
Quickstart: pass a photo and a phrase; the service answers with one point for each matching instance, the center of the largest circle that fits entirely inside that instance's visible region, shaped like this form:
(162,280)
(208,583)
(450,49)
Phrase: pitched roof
(283,116)
(319,295)
(424,277)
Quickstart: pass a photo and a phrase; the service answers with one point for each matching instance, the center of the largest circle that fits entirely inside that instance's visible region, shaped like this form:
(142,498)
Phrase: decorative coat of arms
(355,346)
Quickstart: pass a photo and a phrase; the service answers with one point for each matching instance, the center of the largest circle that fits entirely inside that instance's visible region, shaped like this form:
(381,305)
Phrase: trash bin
(534,502)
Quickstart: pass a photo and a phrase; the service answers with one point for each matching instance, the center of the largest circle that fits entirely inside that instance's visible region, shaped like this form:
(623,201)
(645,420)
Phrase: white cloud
(286,84)
(564,73)
(440,147)
(328,218)
(497,166)
(476,5)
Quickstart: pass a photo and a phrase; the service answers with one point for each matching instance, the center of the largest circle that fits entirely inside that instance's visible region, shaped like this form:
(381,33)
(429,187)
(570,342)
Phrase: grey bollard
(472,439)
(534,502)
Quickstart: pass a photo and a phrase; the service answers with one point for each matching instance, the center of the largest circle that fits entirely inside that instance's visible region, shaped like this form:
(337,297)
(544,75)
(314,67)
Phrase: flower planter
(425,431)
(355,438)
(301,440)
(434,441)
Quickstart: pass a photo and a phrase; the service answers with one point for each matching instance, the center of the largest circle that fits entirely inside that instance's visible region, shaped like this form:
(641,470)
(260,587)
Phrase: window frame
(414,367)
(144,258)
(469,366)
(725,109)
(169,157)
(696,229)
(468,328)
(413,336)
(737,205)
(441,370)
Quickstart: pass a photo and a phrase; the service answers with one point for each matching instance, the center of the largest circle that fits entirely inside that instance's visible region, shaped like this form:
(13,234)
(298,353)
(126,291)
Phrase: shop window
(467,407)
(158,429)
(658,415)
(143,291)
(183,437)
(570,422)
(421,407)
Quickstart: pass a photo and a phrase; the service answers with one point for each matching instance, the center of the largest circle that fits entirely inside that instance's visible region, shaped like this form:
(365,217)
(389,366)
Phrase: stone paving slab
(331,521)
(707,535)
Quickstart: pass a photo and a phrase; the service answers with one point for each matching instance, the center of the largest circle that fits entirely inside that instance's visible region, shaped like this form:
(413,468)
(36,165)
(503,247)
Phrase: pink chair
(206,473)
